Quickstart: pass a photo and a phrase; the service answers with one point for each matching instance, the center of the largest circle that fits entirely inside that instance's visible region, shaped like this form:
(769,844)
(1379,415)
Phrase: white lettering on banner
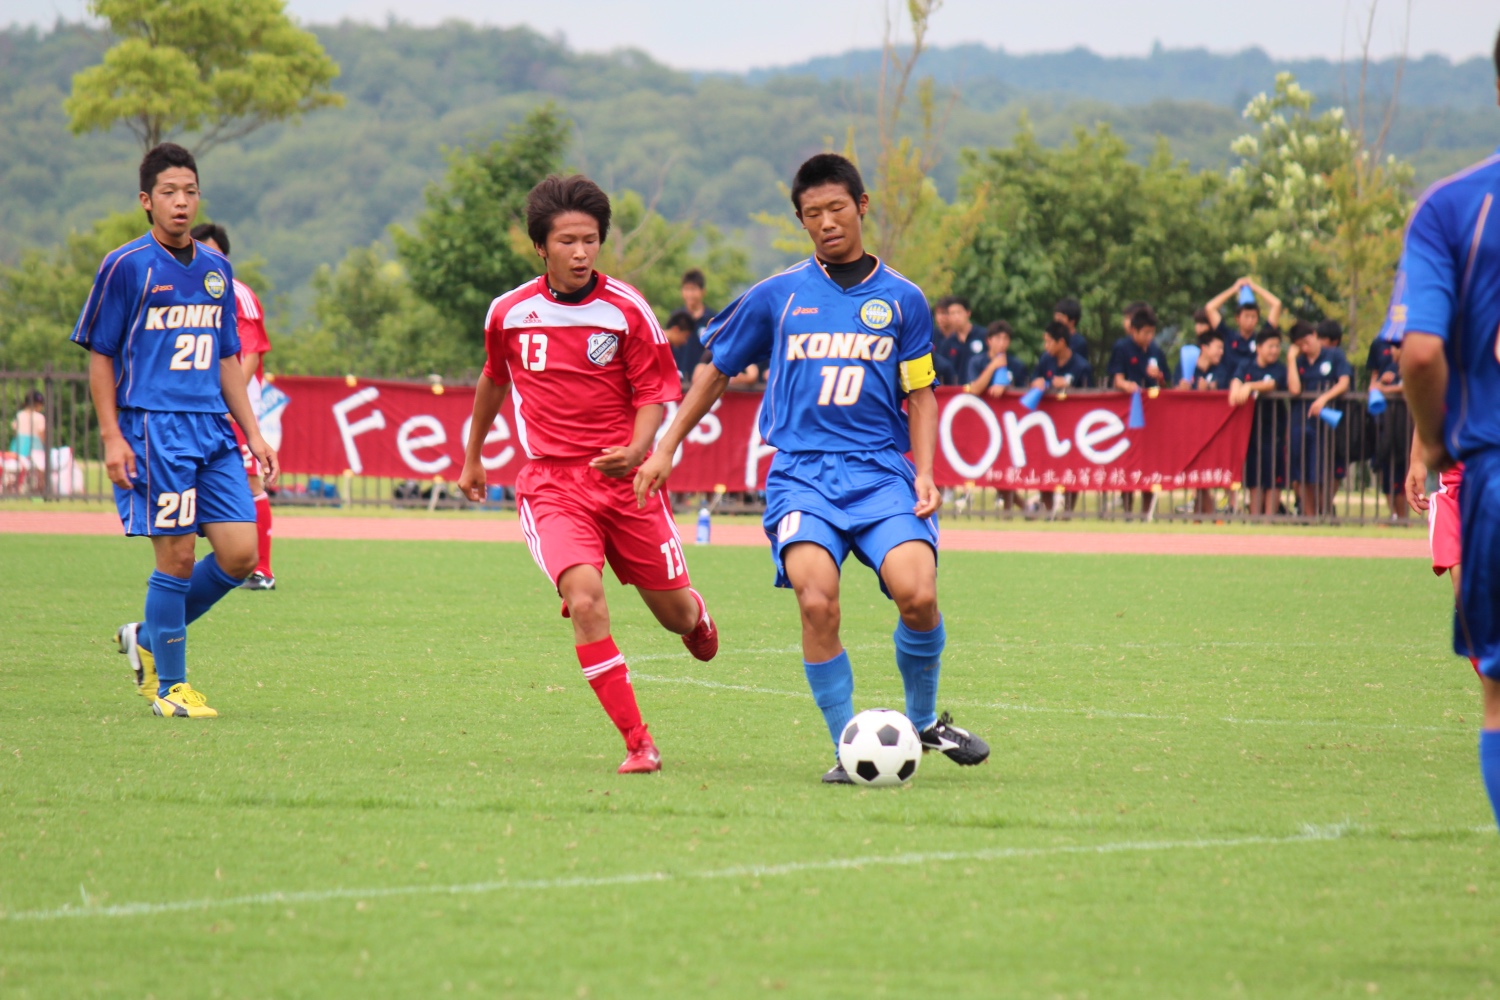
(757,451)
(1097,427)
(499,431)
(408,440)
(1015,430)
(950,450)
(374,422)
(706,431)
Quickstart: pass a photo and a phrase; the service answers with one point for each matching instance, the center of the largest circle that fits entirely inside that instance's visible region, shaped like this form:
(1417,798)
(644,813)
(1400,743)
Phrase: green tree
(652,254)
(212,69)
(465,250)
(367,320)
(1086,220)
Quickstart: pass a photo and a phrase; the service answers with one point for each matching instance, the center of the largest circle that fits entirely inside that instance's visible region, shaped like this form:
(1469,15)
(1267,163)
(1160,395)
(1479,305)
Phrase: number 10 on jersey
(841,384)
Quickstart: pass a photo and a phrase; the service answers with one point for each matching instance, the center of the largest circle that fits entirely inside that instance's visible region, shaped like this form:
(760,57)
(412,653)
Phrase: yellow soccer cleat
(142,663)
(182,702)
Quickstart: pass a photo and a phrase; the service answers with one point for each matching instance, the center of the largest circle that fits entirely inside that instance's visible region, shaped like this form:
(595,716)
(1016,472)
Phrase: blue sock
(832,683)
(207,584)
(919,657)
(165,628)
(1489,766)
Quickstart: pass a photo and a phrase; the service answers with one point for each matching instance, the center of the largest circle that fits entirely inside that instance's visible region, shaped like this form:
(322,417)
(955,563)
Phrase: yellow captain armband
(917,373)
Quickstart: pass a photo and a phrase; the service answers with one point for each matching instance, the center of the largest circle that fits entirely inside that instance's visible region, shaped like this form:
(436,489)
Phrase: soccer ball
(880,747)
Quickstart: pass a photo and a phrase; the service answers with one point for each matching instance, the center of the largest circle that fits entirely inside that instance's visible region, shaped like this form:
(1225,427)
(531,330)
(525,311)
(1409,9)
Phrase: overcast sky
(741,34)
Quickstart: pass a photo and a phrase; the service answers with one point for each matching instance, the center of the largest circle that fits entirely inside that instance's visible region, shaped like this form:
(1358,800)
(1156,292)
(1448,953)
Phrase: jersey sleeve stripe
(1484,214)
(626,292)
(86,326)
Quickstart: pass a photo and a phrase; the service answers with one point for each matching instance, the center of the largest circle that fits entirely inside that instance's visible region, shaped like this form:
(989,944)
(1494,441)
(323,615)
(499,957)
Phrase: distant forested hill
(705,147)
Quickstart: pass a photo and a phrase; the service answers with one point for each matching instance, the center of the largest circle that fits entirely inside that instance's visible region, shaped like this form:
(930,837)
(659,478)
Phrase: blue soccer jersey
(1452,266)
(165,324)
(841,360)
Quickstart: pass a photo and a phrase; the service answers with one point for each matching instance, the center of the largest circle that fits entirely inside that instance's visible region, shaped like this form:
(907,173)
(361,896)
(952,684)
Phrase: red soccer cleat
(703,640)
(644,759)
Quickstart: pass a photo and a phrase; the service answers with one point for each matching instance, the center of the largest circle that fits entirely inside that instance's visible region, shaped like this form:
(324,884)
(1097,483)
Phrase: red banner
(1080,442)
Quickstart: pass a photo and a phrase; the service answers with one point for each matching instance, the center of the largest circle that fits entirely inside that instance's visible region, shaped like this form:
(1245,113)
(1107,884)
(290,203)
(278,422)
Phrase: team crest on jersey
(602,348)
(213,284)
(876,314)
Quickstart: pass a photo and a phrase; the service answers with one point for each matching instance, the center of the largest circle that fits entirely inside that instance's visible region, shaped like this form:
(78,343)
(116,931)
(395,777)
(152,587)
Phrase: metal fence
(1299,469)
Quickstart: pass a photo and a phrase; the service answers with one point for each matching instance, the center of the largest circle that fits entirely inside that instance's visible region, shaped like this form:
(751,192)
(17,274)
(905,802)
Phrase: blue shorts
(188,471)
(1305,451)
(858,501)
(1476,622)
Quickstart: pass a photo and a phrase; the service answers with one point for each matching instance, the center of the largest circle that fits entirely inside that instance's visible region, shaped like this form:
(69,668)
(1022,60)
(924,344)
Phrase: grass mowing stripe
(1309,834)
(1086,712)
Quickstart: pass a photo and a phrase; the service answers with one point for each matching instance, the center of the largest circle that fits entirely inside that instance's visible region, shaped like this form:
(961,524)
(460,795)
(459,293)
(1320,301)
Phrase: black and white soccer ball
(880,747)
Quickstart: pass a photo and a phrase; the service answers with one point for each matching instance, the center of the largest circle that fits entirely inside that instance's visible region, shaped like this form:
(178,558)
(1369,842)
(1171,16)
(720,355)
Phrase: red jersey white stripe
(251,324)
(578,371)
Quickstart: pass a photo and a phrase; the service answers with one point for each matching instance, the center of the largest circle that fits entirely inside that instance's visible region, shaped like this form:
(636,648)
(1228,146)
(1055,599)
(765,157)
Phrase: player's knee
(819,609)
(238,562)
(178,563)
(586,606)
(917,600)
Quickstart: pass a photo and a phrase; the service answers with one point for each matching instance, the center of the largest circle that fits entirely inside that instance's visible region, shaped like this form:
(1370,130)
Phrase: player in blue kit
(159,326)
(1450,367)
(848,338)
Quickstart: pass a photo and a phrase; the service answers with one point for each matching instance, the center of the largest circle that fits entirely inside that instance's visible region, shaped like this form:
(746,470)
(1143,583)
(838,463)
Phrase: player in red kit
(591,372)
(254,346)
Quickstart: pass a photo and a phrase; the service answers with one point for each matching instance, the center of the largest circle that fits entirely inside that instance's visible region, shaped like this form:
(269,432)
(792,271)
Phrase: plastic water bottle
(704,527)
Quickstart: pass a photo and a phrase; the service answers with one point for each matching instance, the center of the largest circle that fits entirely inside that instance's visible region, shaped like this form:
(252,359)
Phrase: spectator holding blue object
(1312,368)
(1265,458)
(1137,361)
(1241,336)
(997,369)
(1060,367)
(1212,370)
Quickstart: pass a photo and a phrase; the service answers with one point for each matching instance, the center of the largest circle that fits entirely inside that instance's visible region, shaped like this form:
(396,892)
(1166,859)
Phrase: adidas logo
(532,317)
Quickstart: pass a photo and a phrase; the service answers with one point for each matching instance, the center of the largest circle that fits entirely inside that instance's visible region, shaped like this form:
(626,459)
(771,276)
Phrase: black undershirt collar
(846,276)
(573,298)
(184,255)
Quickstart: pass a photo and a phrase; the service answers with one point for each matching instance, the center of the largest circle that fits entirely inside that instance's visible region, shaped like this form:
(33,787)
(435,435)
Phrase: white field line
(1091,713)
(1309,834)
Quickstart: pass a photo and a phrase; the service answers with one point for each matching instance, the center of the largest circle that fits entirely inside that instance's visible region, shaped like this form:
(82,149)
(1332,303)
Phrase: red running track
(957,539)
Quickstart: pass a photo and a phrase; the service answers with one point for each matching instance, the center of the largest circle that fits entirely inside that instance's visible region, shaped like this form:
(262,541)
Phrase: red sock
(263,533)
(605,670)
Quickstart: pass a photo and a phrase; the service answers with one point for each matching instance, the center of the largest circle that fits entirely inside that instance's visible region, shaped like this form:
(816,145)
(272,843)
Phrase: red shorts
(1442,524)
(573,515)
(252,464)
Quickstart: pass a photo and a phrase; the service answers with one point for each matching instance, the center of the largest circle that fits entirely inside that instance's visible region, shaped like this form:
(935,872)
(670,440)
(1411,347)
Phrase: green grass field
(1212,777)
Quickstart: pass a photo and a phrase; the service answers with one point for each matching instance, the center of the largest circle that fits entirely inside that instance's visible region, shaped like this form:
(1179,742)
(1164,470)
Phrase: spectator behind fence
(29,428)
(1265,458)
(1212,371)
(1240,338)
(1129,312)
(997,369)
(679,330)
(1392,445)
(1312,368)
(1059,366)
(962,337)
(1331,334)
(1137,362)
(948,354)
(689,352)
(1068,312)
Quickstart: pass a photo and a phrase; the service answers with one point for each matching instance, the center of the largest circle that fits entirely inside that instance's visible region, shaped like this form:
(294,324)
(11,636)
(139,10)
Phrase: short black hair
(947,301)
(679,319)
(1266,333)
(1142,318)
(162,157)
(212,231)
(1069,307)
(826,168)
(999,326)
(693,276)
(1057,331)
(1135,307)
(1330,330)
(555,195)
(1208,337)
(1252,305)
(1301,328)
(1200,315)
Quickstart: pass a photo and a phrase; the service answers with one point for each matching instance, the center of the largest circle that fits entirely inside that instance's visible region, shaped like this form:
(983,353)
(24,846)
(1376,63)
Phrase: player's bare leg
(582,590)
(814,577)
(684,612)
(261,577)
(909,573)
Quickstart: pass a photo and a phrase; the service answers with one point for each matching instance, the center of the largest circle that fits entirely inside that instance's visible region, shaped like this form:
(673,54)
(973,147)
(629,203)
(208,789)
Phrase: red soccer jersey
(252,326)
(578,371)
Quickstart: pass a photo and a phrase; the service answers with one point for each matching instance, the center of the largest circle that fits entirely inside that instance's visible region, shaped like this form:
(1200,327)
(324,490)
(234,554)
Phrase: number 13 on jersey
(841,384)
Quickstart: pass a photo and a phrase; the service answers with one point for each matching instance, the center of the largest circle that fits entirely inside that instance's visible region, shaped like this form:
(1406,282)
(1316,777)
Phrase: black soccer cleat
(259,581)
(960,745)
(837,776)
